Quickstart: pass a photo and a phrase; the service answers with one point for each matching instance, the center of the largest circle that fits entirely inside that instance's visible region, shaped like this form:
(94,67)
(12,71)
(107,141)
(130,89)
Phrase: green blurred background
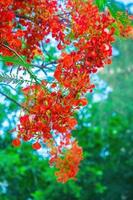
(105,131)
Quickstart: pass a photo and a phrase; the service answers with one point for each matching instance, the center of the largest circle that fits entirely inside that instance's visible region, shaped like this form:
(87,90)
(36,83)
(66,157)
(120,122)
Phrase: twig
(9,48)
(11,99)
(8,86)
(24,17)
(42,67)
(42,44)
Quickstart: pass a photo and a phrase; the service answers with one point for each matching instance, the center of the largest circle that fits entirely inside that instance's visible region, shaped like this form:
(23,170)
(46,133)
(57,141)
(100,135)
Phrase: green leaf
(14,60)
(6,78)
(101,4)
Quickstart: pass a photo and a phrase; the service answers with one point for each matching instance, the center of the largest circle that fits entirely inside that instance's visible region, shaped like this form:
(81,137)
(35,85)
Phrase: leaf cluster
(11,79)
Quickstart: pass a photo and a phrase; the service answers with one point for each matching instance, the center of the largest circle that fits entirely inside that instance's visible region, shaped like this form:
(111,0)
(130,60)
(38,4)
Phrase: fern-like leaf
(6,78)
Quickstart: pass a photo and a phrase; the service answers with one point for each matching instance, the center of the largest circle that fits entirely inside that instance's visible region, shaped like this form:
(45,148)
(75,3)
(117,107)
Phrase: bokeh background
(105,131)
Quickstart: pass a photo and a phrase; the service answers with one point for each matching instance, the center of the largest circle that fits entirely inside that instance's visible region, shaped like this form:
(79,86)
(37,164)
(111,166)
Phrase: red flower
(36,146)
(16,142)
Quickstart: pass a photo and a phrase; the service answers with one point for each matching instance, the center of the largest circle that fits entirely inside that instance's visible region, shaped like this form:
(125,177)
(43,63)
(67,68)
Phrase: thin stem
(43,67)
(24,17)
(9,48)
(3,84)
(11,99)
(42,44)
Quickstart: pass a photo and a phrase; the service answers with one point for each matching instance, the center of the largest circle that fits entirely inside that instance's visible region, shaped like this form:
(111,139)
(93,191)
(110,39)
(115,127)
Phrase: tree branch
(12,50)
(45,66)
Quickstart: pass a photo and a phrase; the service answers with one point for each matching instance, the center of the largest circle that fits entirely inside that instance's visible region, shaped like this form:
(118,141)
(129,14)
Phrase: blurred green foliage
(105,131)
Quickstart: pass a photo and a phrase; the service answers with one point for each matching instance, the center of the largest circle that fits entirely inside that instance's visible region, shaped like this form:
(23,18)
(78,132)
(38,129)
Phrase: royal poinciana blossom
(48,110)
(25,23)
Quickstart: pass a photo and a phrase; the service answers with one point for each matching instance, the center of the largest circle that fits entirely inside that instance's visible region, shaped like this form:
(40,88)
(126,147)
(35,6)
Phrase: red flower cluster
(72,75)
(47,111)
(94,35)
(35,19)
(7,35)
(68,164)
(50,115)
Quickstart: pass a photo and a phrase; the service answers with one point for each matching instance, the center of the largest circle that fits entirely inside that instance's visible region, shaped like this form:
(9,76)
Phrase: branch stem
(28,70)
(14,101)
